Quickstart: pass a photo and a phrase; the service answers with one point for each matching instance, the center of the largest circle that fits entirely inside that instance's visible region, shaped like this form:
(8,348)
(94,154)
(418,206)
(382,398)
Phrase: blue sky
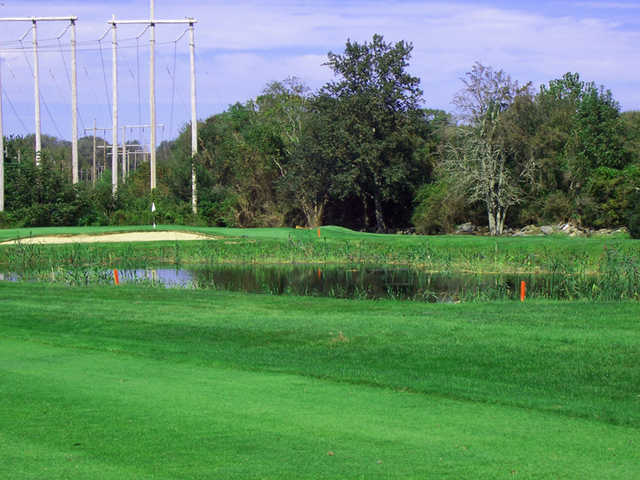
(242,45)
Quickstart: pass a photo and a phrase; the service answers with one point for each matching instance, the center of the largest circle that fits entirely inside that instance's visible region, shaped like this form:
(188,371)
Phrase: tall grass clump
(616,276)
(619,276)
(561,268)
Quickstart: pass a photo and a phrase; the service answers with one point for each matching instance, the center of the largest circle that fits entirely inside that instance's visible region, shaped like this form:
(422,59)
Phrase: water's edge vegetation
(587,268)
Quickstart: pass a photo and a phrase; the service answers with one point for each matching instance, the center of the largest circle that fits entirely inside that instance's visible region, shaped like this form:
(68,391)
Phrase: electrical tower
(36,83)
(151,24)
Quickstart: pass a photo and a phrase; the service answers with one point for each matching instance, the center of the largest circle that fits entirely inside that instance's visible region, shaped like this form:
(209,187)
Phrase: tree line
(364,152)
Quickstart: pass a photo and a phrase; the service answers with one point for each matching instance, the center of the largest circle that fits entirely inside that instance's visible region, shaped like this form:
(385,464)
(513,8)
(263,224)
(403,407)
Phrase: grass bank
(599,268)
(333,245)
(135,382)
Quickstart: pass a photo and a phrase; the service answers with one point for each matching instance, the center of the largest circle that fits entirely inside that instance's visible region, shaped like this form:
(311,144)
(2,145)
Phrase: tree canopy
(365,151)
(377,103)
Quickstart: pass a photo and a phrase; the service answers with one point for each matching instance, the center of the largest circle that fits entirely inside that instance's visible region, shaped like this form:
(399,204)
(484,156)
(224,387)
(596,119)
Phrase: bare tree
(478,159)
(479,164)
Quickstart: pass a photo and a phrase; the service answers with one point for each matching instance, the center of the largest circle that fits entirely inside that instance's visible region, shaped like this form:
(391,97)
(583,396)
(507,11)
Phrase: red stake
(523,290)
(116,280)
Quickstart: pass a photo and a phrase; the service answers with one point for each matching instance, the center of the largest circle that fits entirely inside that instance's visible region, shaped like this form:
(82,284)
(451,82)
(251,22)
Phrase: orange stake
(116,280)
(318,233)
(523,290)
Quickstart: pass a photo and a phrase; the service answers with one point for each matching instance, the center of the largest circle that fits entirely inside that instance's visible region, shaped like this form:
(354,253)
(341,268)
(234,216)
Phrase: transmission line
(15,112)
(104,76)
(138,78)
(66,70)
(55,125)
(42,99)
(53,47)
(172,75)
(173,85)
(64,62)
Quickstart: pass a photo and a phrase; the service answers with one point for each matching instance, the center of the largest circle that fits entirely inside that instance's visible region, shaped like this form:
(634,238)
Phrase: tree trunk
(313,213)
(365,209)
(492,222)
(502,213)
(381,227)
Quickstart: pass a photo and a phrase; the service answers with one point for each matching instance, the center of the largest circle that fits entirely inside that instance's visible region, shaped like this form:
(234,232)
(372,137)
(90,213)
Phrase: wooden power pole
(1,148)
(151,23)
(36,85)
(95,130)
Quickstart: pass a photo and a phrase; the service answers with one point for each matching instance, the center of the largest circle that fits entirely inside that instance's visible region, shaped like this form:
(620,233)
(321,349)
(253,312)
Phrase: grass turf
(556,254)
(152,383)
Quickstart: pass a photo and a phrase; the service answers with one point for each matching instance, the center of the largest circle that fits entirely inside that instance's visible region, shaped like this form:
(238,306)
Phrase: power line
(138,78)
(62,34)
(46,107)
(104,75)
(64,62)
(66,69)
(62,93)
(173,85)
(42,99)
(54,45)
(15,112)
(53,48)
(55,81)
(24,51)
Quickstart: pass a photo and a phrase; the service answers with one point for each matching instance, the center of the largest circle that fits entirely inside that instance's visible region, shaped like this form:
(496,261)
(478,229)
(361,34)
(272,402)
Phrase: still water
(326,281)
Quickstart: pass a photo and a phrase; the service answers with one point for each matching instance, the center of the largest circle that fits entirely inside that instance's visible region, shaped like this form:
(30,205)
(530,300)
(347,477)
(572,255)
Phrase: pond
(330,281)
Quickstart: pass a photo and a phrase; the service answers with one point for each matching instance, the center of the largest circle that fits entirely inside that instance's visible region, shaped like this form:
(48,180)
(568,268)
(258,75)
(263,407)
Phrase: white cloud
(608,5)
(245,44)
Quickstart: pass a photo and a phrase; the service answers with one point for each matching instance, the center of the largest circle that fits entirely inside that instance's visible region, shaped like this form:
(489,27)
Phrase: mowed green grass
(335,233)
(154,383)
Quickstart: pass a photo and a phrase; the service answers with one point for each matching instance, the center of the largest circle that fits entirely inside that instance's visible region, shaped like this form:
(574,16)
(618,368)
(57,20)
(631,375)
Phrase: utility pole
(36,74)
(161,125)
(74,106)
(152,93)
(95,130)
(152,22)
(36,83)
(194,120)
(124,156)
(93,156)
(1,148)
(105,151)
(114,128)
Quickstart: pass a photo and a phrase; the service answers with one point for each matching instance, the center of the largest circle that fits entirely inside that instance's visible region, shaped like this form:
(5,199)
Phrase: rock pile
(568,229)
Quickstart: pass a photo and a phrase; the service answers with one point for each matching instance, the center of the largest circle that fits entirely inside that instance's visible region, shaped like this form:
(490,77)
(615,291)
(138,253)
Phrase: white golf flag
(153,206)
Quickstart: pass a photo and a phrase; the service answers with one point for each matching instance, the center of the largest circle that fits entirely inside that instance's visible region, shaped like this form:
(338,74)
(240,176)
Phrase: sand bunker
(114,237)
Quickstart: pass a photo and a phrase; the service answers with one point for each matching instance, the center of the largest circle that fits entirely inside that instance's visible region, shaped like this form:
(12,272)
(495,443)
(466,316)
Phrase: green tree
(580,130)
(631,135)
(377,105)
(608,194)
(237,176)
(310,179)
(283,107)
(597,140)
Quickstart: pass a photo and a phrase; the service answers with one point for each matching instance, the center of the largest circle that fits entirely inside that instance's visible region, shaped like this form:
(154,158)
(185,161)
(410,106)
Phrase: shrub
(633,225)
(438,208)
(557,207)
(5,220)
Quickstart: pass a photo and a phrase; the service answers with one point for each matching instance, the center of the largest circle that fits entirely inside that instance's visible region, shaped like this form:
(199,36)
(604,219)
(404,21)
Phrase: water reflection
(340,282)
(331,281)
